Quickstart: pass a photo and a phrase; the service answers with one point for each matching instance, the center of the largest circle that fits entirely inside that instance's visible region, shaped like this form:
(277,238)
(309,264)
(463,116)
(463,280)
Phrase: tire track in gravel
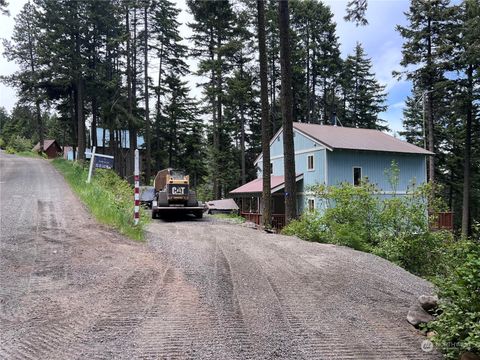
(293,284)
(194,321)
(60,271)
(48,274)
(229,309)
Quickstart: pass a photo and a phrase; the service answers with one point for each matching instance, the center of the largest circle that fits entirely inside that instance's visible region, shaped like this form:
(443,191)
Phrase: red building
(50,147)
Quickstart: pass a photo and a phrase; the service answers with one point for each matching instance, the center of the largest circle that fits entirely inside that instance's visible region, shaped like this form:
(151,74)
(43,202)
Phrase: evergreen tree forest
(123,66)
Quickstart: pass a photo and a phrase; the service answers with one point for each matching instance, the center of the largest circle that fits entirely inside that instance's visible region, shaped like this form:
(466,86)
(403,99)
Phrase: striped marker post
(136,175)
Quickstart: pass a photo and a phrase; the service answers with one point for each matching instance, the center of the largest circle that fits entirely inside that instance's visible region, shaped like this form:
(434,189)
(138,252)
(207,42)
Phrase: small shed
(50,147)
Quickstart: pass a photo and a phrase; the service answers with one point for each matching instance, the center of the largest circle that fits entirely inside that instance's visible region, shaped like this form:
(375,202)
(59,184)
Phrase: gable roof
(336,137)
(46,145)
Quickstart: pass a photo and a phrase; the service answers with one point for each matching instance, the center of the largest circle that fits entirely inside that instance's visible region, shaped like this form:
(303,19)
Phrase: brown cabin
(50,147)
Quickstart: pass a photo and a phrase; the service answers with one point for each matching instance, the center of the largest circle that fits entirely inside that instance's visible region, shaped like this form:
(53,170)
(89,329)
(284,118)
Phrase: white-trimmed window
(357,175)
(311,204)
(310,162)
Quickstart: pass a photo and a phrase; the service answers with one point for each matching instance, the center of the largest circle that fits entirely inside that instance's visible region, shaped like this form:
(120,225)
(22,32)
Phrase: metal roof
(336,137)
(223,204)
(256,186)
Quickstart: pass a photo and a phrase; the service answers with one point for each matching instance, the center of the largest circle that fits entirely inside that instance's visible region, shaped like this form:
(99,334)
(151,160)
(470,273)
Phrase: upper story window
(310,163)
(357,175)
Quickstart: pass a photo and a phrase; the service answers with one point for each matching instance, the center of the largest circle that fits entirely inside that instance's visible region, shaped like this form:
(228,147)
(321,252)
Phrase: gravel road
(70,288)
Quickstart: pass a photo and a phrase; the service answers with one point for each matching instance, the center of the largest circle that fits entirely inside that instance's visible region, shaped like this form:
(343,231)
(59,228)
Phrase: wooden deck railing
(256,218)
(278,220)
(442,221)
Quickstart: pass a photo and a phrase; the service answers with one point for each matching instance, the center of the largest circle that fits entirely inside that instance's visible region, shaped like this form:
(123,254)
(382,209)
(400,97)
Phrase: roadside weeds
(108,197)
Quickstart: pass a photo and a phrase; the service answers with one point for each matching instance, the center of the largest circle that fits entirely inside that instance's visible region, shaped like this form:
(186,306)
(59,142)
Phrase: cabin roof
(256,186)
(337,137)
(46,145)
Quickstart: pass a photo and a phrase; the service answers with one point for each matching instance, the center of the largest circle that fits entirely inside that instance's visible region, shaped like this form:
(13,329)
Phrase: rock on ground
(417,315)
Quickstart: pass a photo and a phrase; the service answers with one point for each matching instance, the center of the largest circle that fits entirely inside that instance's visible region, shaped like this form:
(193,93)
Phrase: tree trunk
(94,120)
(133,72)
(325,115)
(242,132)
(219,114)
(159,105)
(160,60)
(287,114)
(309,118)
(80,120)
(430,125)
(266,126)
(35,92)
(466,157)
(148,156)
(39,121)
(216,142)
(73,119)
(216,127)
(131,126)
(79,89)
(312,104)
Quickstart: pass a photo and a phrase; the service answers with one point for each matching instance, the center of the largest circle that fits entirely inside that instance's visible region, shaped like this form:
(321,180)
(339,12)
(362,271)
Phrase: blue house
(124,138)
(331,155)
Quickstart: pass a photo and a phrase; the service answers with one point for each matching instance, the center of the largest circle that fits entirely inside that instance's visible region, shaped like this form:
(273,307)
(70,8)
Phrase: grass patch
(108,197)
(234,218)
(30,154)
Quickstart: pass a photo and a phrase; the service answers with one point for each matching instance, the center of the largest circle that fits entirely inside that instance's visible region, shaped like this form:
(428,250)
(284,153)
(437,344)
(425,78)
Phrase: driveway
(71,288)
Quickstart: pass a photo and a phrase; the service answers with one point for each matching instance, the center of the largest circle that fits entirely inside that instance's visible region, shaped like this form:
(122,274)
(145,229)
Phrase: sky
(379,39)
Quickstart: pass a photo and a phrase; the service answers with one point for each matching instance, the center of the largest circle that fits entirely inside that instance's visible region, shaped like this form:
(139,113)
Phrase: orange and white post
(136,175)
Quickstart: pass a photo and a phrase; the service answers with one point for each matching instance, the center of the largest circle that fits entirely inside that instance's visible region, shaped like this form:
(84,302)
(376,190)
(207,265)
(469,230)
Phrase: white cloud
(398,105)
(8,96)
(386,62)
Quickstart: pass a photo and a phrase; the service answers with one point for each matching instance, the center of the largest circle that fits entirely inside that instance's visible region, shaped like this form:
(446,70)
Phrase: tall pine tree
(364,97)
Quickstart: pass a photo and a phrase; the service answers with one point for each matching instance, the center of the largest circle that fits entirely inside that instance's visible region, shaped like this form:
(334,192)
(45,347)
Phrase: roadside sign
(103,161)
(99,161)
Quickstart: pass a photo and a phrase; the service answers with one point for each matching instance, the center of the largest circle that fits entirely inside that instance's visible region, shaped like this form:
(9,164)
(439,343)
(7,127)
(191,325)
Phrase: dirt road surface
(198,289)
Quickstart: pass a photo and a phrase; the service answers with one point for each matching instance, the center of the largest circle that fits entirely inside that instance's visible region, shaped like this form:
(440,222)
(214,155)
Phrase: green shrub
(395,228)
(307,227)
(108,197)
(457,327)
(420,253)
(19,144)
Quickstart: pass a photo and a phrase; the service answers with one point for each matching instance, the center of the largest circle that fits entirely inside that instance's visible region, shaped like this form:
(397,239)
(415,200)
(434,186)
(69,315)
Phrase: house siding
(373,164)
(302,144)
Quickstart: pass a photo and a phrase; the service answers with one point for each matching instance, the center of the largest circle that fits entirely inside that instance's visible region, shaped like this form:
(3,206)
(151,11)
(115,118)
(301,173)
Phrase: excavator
(173,195)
